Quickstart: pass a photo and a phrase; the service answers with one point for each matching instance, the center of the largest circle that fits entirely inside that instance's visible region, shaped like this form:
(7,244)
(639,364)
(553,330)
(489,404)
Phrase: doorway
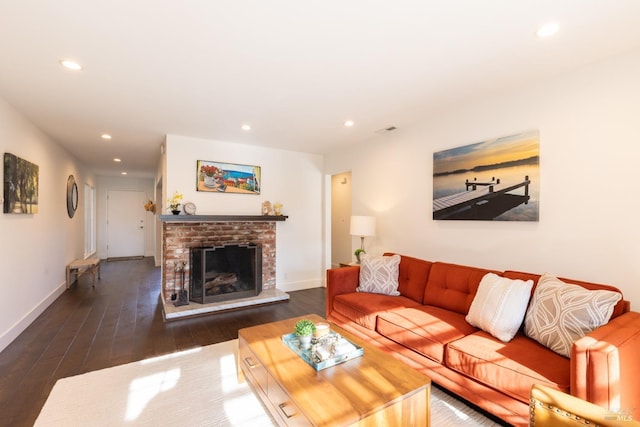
(125,224)
(340,219)
(158,224)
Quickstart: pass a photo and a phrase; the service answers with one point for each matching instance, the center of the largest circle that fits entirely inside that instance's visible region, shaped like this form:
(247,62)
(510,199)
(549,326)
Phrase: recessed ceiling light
(547,30)
(71,65)
(349,123)
(246,127)
(117,160)
(123,173)
(105,136)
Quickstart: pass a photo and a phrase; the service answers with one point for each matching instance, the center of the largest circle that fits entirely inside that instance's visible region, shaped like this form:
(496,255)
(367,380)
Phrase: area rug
(197,387)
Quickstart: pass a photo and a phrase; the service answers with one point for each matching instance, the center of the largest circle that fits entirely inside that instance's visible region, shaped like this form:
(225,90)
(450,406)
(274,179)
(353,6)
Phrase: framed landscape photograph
(222,177)
(494,180)
(20,185)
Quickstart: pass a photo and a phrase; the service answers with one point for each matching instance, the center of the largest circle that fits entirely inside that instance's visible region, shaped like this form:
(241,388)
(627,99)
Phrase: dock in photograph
(482,200)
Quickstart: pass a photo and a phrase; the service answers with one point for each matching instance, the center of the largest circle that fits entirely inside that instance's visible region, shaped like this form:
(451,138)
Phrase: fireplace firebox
(223,273)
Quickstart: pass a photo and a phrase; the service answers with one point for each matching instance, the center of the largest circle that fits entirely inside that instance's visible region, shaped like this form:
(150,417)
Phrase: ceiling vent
(386,130)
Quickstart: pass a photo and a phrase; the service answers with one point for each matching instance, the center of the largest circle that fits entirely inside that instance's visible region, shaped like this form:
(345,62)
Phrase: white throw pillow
(561,313)
(499,305)
(379,274)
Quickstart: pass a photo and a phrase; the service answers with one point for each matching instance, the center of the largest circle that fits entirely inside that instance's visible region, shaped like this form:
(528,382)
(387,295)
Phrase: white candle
(322,329)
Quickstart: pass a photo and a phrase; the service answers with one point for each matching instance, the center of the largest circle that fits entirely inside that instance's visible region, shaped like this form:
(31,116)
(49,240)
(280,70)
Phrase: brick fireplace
(180,233)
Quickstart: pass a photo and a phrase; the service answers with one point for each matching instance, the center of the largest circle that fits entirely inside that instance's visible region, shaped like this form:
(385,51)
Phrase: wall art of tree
(20,185)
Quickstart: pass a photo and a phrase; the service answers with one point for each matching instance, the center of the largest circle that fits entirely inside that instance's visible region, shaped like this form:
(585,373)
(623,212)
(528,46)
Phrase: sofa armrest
(553,408)
(604,365)
(341,281)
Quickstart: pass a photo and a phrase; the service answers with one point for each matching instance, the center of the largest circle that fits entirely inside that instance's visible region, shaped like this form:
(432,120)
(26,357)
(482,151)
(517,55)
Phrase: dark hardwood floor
(120,321)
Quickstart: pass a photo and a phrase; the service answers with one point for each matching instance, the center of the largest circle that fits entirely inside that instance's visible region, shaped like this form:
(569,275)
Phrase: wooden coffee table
(371,390)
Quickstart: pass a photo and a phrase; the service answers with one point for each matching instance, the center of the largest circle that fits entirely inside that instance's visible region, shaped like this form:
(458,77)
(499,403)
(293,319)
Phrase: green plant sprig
(305,327)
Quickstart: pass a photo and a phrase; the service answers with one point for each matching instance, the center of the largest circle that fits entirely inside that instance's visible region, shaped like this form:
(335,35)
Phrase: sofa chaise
(424,322)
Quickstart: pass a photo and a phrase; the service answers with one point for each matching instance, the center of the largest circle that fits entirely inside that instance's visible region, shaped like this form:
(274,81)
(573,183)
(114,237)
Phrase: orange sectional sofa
(425,327)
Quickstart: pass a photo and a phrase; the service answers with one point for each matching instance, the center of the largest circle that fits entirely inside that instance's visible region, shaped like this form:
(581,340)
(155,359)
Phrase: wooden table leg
(94,268)
(93,276)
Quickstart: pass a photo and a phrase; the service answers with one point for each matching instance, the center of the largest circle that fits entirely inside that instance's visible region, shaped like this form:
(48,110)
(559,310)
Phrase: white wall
(589,204)
(35,249)
(291,178)
(110,183)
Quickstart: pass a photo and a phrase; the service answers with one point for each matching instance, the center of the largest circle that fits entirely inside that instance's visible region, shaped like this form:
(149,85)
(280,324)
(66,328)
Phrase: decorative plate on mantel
(190,208)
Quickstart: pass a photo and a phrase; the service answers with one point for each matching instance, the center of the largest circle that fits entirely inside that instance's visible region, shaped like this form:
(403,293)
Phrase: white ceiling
(294,70)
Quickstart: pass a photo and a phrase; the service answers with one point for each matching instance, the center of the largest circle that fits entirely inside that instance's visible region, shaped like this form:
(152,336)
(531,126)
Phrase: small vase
(176,212)
(209,181)
(305,342)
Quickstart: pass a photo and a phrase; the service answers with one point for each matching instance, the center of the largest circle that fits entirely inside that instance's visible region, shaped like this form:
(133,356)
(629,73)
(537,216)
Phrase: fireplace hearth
(224,273)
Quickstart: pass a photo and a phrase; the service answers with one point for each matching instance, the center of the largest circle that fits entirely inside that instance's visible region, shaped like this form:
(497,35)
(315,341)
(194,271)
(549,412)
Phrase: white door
(341,240)
(125,223)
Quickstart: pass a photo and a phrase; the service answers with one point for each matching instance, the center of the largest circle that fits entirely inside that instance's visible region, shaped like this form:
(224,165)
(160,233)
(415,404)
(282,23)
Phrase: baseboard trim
(17,328)
(298,286)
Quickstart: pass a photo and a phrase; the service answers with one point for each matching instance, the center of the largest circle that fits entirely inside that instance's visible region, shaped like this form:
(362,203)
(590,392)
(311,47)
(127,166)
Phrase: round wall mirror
(72,196)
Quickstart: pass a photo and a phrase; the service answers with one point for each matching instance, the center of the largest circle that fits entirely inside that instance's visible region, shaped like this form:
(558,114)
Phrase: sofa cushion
(512,367)
(363,308)
(412,277)
(621,307)
(561,313)
(499,305)
(424,329)
(379,274)
(453,286)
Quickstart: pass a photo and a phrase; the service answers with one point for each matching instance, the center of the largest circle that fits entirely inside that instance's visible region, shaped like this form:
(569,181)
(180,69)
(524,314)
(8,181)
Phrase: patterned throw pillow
(561,313)
(499,305)
(379,274)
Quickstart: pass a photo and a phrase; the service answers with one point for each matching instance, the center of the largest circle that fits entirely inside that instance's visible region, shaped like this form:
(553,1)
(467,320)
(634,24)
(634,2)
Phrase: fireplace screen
(223,273)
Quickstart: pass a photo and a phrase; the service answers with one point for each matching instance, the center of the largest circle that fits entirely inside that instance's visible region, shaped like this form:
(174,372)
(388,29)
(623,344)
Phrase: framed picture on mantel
(219,177)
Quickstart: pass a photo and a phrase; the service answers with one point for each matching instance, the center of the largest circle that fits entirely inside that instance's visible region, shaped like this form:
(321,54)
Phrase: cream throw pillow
(379,274)
(499,305)
(561,313)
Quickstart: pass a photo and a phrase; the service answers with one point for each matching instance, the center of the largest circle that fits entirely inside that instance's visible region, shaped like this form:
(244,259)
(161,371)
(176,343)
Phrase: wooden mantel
(222,218)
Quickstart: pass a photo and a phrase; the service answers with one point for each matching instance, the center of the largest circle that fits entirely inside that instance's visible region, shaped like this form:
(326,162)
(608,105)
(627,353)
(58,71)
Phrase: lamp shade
(363,226)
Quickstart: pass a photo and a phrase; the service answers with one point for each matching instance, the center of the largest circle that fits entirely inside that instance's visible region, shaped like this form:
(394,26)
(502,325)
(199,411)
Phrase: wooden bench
(80,266)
